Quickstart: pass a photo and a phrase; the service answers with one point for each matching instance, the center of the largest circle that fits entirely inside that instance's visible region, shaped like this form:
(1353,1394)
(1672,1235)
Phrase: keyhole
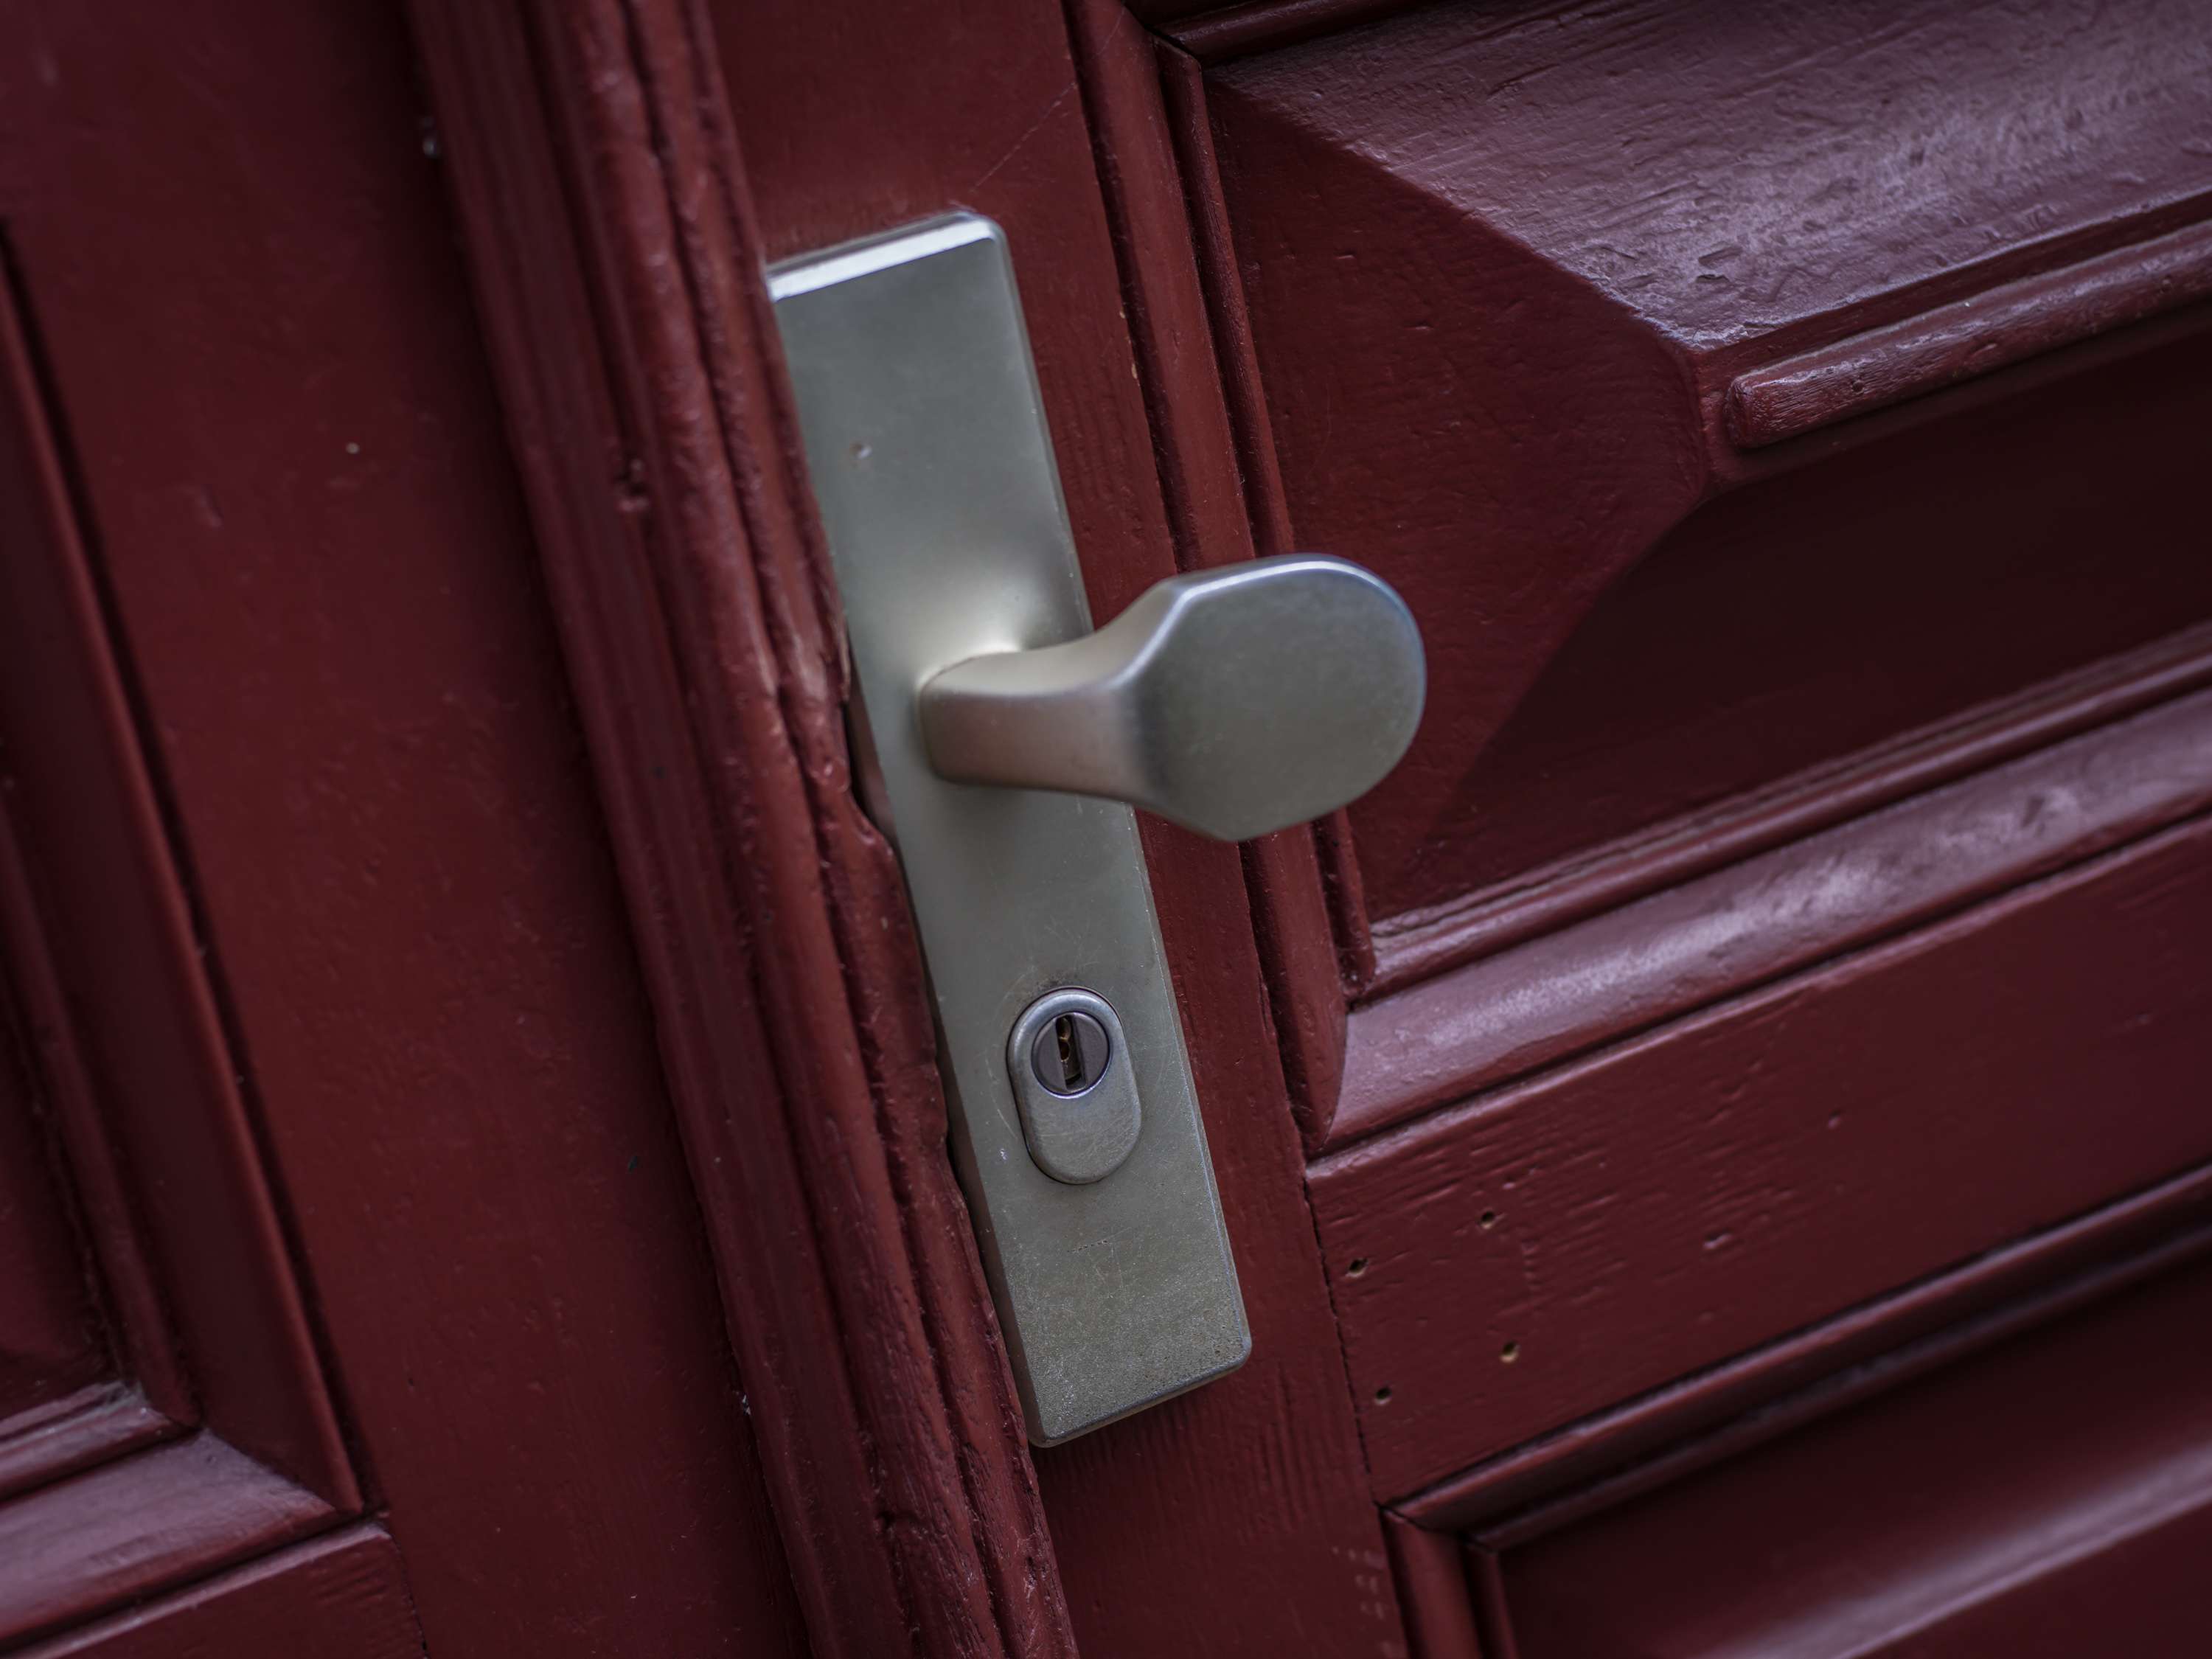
(1071,1056)
(1070,1053)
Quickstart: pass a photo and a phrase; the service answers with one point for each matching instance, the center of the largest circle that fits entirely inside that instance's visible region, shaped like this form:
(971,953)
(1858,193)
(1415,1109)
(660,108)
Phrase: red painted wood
(1567,1243)
(1756,1397)
(141,1338)
(485,689)
(1419,944)
(111,979)
(2052,1496)
(812,1118)
(1217,483)
(1957,341)
(99,1421)
(52,1340)
(1568,991)
(1239,1512)
(340,1597)
(127,1530)
(1433,1591)
(1215,34)
(312,556)
(1501,272)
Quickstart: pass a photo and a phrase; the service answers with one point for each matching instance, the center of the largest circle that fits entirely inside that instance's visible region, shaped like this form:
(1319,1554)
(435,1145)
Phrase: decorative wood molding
(92,1425)
(135,1526)
(1696,1421)
(341,1597)
(1217,471)
(605,213)
(1218,34)
(1422,944)
(1993,330)
(1403,242)
(99,953)
(1698,1190)
(1936,1532)
(1448,1541)
(1664,957)
(1430,1570)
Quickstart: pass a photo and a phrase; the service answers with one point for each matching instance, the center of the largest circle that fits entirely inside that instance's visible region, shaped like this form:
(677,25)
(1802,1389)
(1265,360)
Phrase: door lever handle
(1235,701)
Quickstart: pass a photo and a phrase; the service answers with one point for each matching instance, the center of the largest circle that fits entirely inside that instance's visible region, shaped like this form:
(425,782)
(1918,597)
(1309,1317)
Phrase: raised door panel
(310,911)
(170,1414)
(1781,940)
(1507,1267)
(1648,349)
(2051,1495)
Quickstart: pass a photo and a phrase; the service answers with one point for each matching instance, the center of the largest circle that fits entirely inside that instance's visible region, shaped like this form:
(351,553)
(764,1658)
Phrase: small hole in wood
(1356,1266)
(1382,1394)
(1509,1353)
(1488,1218)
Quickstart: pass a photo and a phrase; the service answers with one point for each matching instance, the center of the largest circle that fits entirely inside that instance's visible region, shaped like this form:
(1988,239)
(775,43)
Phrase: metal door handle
(1235,702)
(1238,702)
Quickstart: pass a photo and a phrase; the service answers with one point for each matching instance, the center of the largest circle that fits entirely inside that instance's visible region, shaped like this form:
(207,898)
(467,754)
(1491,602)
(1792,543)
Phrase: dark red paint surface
(405,938)
(1502,269)
(1788,430)
(1713,1146)
(50,1340)
(2052,1496)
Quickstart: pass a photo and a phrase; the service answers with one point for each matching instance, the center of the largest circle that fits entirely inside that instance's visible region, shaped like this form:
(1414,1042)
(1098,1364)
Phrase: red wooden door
(1715,1147)
(1768,1103)
(352,1296)
(1725,1099)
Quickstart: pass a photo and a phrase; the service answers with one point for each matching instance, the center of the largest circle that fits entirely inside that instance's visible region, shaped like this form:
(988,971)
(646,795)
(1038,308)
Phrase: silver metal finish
(1236,701)
(1076,1089)
(927,448)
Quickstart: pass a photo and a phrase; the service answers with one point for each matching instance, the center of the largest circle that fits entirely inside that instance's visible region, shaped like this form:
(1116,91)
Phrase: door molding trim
(607,224)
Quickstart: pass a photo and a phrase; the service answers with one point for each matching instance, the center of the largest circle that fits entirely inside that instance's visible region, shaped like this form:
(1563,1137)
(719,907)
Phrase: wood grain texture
(1501,269)
(1240,1509)
(2052,1496)
(1836,890)
(1794,221)
(178,1512)
(1541,1252)
(343,1597)
(1967,338)
(1757,1396)
(694,603)
(306,522)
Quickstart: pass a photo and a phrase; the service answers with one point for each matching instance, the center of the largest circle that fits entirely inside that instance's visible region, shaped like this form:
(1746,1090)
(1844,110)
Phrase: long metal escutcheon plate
(926,443)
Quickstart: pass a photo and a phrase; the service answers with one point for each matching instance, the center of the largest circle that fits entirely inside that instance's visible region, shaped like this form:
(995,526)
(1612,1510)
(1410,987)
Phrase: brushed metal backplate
(926,443)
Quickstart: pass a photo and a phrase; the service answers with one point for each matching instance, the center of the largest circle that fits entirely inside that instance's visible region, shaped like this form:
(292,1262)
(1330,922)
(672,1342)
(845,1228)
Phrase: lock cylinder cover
(1075,1087)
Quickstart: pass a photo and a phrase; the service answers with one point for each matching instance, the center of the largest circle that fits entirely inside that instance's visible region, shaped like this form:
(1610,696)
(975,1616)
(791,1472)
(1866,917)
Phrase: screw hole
(1488,1218)
(1356,1266)
(1382,1394)
(1509,1353)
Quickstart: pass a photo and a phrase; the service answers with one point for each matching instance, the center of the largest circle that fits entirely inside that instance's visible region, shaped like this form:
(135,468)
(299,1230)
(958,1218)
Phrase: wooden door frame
(605,211)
